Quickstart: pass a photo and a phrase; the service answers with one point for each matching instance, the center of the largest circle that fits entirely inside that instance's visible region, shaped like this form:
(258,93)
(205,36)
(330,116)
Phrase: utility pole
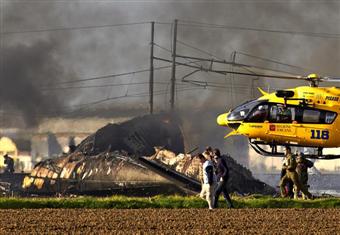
(173,71)
(151,67)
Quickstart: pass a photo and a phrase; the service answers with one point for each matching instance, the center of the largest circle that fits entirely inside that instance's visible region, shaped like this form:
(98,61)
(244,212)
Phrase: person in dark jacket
(302,170)
(222,175)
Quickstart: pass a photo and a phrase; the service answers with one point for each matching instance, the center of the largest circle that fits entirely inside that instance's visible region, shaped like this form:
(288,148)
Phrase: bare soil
(170,221)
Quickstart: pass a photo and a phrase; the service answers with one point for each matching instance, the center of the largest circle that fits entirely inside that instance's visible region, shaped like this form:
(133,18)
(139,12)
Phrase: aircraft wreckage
(143,153)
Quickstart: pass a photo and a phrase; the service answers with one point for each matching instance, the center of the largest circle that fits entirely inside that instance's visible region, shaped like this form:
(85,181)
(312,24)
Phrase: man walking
(302,170)
(292,175)
(209,180)
(222,173)
(289,183)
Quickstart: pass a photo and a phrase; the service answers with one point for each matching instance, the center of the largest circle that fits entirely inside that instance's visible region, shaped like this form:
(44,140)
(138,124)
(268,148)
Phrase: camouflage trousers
(293,176)
(303,177)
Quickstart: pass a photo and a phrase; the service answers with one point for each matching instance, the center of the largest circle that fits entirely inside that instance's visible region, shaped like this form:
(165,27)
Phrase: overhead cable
(217,26)
(71,28)
(243,66)
(119,74)
(168,50)
(98,86)
(272,61)
(233,72)
(198,49)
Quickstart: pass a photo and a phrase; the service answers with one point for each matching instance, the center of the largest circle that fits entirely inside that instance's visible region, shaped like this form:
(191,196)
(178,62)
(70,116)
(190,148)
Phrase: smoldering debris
(5,188)
(78,173)
(107,158)
(10,184)
(137,136)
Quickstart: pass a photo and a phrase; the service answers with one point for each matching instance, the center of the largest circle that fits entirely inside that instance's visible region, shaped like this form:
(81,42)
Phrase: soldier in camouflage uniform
(302,170)
(291,174)
(289,184)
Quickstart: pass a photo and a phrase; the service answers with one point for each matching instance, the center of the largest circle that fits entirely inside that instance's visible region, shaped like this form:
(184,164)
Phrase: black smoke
(119,49)
(27,70)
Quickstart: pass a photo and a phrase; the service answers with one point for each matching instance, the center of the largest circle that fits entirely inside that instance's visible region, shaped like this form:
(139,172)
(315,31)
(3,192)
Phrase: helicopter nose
(222,119)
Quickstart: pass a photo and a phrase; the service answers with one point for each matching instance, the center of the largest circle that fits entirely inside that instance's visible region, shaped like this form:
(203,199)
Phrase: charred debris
(143,156)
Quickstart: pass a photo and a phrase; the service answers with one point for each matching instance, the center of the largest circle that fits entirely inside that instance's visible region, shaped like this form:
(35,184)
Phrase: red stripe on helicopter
(272,127)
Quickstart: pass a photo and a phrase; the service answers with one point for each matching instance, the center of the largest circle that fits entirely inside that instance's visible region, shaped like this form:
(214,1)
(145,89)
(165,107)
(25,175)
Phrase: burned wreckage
(141,155)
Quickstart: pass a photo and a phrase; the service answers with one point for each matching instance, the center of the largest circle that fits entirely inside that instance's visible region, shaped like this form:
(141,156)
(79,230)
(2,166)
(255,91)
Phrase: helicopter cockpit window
(273,113)
(241,112)
(329,118)
(311,116)
(259,114)
(280,114)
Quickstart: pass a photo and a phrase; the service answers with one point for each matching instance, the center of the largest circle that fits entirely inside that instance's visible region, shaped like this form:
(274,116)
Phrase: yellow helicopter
(305,116)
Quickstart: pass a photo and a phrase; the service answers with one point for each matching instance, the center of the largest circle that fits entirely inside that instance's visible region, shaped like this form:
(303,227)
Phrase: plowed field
(170,221)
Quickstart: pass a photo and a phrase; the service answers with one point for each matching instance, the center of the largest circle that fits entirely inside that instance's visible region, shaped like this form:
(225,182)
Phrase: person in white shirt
(209,181)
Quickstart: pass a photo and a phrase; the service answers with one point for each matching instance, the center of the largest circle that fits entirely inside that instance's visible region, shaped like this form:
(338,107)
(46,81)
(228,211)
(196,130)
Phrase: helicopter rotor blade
(264,75)
(329,79)
(252,70)
(262,70)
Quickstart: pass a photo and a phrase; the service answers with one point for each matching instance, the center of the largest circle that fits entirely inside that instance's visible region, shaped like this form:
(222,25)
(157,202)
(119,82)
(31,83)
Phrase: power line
(248,55)
(119,74)
(272,61)
(72,28)
(224,72)
(201,84)
(168,50)
(106,76)
(162,47)
(186,23)
(144,94)
(197,83)
(239,65)
(216,26)
(101,86)
(163,23)
(242,66)
(136,95)
(198,49)
(97,86)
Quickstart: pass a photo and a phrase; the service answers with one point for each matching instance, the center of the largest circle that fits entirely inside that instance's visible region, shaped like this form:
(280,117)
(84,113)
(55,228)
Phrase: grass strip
(123,202)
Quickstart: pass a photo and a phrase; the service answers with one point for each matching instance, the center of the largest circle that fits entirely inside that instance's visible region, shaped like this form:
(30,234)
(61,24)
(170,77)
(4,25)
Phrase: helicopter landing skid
(274,153)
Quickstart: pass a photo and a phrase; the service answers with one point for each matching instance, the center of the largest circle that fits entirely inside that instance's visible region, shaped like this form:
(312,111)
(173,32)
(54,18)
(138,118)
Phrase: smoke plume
(32,60)
(27,69)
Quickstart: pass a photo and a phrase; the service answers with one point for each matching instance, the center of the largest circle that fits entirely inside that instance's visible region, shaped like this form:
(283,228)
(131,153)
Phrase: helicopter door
(255,121)
(280,121)
(312,121)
